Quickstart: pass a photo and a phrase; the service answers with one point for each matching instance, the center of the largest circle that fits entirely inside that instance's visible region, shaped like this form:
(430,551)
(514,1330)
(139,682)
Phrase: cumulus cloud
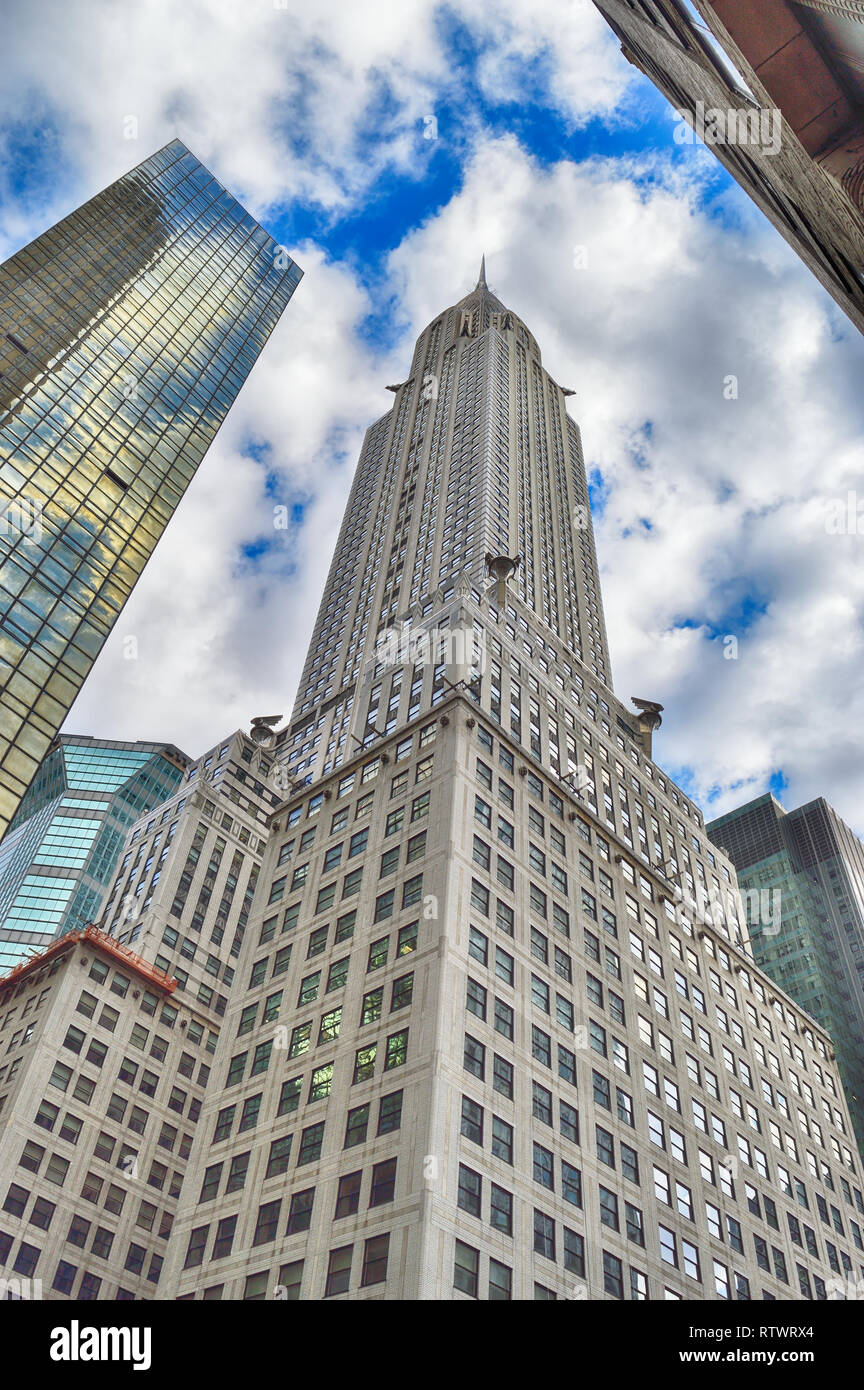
(718,387)
(287,103)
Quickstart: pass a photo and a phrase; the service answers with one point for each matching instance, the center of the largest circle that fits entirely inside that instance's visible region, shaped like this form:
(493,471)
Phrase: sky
(388,147)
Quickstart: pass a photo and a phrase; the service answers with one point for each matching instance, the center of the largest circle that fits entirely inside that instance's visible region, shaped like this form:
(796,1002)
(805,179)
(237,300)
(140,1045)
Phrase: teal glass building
(815,863)
(59,855)
(127,331)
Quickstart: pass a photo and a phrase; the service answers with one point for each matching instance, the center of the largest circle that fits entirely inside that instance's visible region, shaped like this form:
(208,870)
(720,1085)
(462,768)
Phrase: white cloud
(294,103)
(674,300)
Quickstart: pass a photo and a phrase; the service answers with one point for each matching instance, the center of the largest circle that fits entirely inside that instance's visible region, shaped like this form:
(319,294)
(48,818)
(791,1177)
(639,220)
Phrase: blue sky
(709,513)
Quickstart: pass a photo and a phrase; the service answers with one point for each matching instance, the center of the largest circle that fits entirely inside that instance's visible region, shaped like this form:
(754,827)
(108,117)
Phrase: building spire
(481,283)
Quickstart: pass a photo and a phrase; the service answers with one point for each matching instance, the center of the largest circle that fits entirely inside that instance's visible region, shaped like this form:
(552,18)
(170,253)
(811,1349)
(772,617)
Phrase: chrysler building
(477,457)
(491,1036)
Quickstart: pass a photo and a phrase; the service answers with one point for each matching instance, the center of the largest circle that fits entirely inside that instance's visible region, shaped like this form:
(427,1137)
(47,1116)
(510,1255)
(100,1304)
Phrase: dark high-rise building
(776,90)
(127,331)
(58,859)
(814,862)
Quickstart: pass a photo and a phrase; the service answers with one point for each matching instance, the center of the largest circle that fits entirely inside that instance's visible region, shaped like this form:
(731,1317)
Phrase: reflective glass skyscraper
(59,856)
(127,332)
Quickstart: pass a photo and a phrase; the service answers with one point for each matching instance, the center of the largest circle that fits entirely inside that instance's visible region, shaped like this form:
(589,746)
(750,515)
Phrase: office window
(289,1282)
(372,1006)
(541,1103)
(194,1251)
(567,1064)
(602,1090)
(633,1224)
(224,1237)
(500,1281)
(210,1183)
(383,1183)
(668,1246)
(300,1211)
(474,1057)
(46,1115)
(502,1139)
(574,1252)
(278,1158)
(16,1200)
(339,1271)
(544,1167)
(64,1277)
(472,1120)
(330,1025)
(501,1210)
(311,1141)
(357,1126)
(289,1096)
(390,1112)
(624,1107)
(605,1146)
(396,1050)
(541,1046)
(375,1254)
(348,1195)
(364,1063)
(336,977)
(569,1121)
(79,1230)
(249,1113)
(57,1169)
(255,1286)
(402,992)
(571,1184)
(544,1234)
(475,1001)
(114,1199)
(300,1040)
(267,1222)
(406,941)
(466,1268)
(469,1195)
(608,1208)
(237,1170)
(502,1076)
(564,1013)
(384,906)
(309,988)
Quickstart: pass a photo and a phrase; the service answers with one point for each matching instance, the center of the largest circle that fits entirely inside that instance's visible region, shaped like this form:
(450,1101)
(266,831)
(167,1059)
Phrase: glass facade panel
(130,327)
(59,855)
